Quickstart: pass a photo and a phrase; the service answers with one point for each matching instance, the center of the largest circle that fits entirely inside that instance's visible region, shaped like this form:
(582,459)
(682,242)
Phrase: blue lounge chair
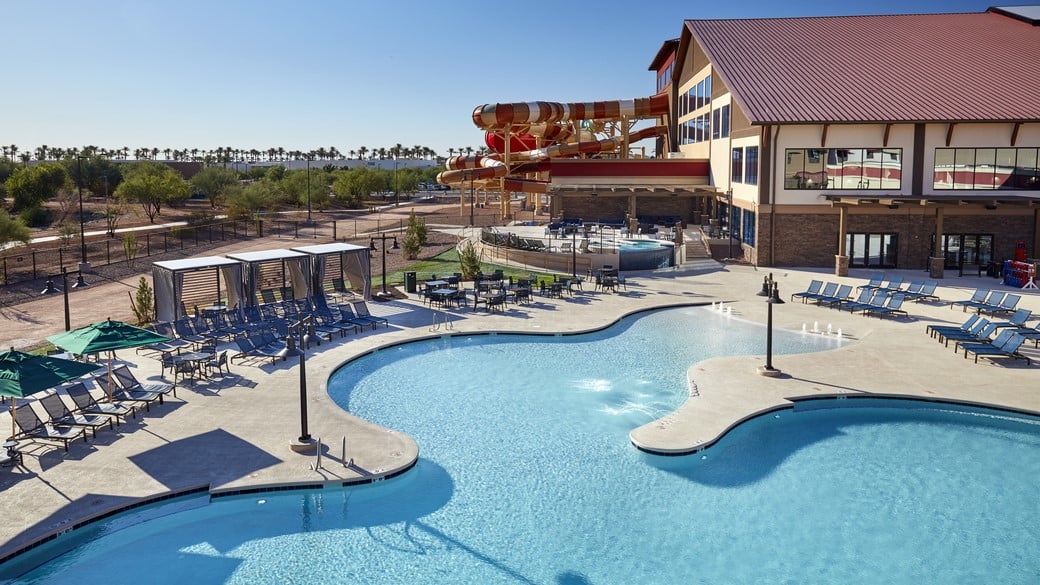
(927,291)
(1008,349)
(982,331)
(1006,305)
(978,296)
(844,291)
(1017,319)
(892,307)
(874,282)
(829,290)
(813,289)
(362,312)
(895,283)
(879,299)
(994,299)
(863,299)
(31,427)
(934,330)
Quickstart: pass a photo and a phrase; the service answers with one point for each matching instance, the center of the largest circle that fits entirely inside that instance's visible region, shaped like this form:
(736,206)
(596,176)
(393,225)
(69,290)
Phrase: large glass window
(843,168)
(872,250)
(715,126)
(724,130)
(986,169)
(751,165)
(737,165)
(747,232)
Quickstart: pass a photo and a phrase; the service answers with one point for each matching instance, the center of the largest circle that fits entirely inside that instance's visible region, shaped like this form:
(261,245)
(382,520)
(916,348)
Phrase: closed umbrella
(22,374)
(108,335)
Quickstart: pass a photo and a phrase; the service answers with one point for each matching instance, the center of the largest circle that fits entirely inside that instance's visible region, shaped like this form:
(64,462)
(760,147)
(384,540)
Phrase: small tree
(130,247)
(414,237)
(470,261)
(143,305)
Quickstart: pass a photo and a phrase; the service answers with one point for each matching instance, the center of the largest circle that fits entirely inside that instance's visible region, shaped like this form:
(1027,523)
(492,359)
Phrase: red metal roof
(892,68)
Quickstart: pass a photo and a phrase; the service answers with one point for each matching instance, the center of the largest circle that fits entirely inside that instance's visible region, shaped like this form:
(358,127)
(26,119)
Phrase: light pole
(397,194)
(308,189)
(372,245)
(771,291)
(574,253)
(51,289)
(472,200)
(729,221)
(304,442)
(83,264)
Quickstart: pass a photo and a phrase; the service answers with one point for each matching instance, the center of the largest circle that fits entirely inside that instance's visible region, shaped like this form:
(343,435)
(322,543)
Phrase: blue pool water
(526,476)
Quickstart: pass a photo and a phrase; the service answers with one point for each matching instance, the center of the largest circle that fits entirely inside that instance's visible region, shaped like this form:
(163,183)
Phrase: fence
(40,260)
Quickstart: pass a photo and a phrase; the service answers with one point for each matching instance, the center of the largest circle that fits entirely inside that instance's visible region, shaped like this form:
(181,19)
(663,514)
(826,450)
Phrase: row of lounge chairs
(876,301)
(993,302)
(64,424)
(982,338)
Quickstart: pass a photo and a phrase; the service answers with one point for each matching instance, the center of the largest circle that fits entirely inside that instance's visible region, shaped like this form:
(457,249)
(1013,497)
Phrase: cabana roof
(185,264)
(333,248)
(266,255)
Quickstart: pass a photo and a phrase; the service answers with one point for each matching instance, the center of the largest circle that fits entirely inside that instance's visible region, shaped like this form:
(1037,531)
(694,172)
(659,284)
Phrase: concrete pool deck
(232,433)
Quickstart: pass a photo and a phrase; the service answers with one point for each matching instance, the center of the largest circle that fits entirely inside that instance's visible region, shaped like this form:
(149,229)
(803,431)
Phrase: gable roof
(890,68)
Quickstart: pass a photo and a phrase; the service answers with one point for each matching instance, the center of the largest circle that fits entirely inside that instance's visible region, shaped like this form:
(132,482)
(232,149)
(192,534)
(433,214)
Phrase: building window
(986,169)
(724,130)
(747,232)
(843,168)
(867,250)
(751,165)
(715,126)
(737,165)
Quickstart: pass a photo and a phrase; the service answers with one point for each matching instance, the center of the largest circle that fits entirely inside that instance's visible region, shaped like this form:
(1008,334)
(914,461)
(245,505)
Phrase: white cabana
(168,283)
(284,269)
(353,263)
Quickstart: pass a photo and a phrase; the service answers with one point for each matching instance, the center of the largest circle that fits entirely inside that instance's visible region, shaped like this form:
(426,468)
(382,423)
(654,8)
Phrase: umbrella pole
(109,389)
(13,433)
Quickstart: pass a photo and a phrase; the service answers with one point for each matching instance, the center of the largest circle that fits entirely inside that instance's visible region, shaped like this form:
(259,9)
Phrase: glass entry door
(872,250)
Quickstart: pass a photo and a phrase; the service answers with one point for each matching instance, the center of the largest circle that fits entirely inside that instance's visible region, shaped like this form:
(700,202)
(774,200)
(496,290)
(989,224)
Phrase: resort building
(892,141)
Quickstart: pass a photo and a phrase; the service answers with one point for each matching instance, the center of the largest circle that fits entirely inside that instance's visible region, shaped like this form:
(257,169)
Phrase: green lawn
(448,263)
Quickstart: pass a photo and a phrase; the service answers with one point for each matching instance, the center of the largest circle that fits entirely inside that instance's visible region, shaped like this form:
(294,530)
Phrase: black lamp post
(397,187)
(51,289)
(372,245)
(304,442)
(574,253)
(82,237)
(771,291)
(308,189)
(472,200)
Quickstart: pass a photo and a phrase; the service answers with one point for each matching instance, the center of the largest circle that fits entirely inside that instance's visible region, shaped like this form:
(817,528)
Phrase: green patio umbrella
(22,374)
(108,335)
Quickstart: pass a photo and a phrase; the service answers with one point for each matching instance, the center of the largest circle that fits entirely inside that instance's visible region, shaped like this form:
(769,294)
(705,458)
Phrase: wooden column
(937,263)
(841,259)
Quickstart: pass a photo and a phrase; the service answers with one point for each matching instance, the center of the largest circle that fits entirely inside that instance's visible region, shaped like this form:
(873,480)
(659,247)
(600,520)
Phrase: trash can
(409,282)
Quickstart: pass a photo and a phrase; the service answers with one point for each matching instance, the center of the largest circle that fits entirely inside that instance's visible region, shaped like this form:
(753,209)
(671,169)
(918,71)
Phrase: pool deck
(233,433)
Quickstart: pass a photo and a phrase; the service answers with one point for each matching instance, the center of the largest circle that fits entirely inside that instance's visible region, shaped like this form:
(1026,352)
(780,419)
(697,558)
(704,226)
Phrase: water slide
(537,132)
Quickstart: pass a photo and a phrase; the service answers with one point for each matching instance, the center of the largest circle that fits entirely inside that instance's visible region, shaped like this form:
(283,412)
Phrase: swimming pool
(526,476)
(638,254)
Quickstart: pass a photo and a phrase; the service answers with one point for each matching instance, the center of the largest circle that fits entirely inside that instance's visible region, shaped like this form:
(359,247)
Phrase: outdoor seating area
(991,302)
(878,297)
(980,337)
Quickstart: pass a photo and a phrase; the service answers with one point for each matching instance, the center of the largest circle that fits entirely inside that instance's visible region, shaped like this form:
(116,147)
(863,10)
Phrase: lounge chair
(125,379)
(1009,348)
(894,284)
(812,290)
(844,291)
(978,296)
(891,307)
(1017,319)
(982,331)
(879,299)
(261,345)
(1006,305)
(60,415)
(994,299)
(874,282)
(863,298)
(362,312)
(31,427)
(86,403)
(927,291)
(934,330)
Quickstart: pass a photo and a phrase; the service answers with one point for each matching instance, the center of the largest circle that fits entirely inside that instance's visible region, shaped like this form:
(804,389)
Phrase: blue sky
(346,73)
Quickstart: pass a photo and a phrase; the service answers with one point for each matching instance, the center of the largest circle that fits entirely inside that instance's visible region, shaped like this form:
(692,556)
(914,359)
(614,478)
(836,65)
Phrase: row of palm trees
(226,154)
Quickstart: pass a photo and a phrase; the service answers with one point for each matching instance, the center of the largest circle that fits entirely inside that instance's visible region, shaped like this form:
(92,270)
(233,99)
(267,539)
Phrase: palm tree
(41,152)
(361,152)
(13,149)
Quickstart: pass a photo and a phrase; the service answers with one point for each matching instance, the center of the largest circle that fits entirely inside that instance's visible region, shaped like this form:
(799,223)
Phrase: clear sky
(304,74)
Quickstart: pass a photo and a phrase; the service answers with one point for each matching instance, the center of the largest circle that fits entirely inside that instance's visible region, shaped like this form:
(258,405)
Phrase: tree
(469,261)
(31,186)
(153,185)
(253,199)
(13,230)
(213,181)
(352,187)
(143,304)
(415,236)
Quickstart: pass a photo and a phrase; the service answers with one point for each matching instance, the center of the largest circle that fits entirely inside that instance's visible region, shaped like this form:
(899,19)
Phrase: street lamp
(397,194)
(304,442)
(308,189)
(729,221)
(771,291)
(574,253)
(472,200)
(83,264)
(51,289)
(372,245)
